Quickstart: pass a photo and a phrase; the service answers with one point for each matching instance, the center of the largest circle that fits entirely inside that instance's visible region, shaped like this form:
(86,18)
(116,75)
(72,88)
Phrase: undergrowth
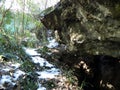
(11,50)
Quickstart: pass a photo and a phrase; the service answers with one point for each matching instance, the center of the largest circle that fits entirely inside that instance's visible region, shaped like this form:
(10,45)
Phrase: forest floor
(40,74)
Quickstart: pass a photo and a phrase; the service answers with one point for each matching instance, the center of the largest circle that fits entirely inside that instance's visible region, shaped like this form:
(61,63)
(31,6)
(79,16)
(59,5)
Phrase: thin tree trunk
(46,4)
(23,17)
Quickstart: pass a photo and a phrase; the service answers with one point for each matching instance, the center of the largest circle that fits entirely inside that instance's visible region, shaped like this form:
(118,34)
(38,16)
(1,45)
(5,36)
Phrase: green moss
(28,66)
(50,84)
(43,50)
(29,82)
(115,11)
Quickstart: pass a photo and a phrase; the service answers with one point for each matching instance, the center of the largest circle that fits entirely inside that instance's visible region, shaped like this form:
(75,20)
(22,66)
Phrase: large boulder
(87,26)
(90,29)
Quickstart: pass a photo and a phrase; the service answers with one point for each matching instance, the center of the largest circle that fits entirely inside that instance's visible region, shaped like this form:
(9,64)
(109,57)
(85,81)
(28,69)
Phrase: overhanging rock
(87,26)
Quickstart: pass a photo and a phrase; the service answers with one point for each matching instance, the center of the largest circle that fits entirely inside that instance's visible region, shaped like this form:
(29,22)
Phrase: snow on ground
(51,73)
(17,74)
(36,58)
(5,78)
(41,61)
(52,43)
(15,65)
(40,87)
(31,51)
(12,72)
(48,73)
(9,73)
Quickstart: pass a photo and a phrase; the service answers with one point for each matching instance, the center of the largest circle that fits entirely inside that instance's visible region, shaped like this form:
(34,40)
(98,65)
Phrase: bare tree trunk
(46,4)
(23,17)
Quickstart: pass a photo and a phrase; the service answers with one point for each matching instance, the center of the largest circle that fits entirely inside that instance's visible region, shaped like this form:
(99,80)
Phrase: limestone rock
(88,26)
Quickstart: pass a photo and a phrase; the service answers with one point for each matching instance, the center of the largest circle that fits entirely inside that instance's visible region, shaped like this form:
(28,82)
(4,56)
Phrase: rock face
(88,26)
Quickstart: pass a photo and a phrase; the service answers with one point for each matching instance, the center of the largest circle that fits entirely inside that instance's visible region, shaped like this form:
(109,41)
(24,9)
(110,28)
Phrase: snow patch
(31,51)
(52,43)
(41,61)
(6,79)
(41,88)
(15,65)
(37,59)
(17,74)
(48,74)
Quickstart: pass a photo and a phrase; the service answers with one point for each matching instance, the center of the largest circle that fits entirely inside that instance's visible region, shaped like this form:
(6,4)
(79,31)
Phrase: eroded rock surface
(91,26)
(90,29)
